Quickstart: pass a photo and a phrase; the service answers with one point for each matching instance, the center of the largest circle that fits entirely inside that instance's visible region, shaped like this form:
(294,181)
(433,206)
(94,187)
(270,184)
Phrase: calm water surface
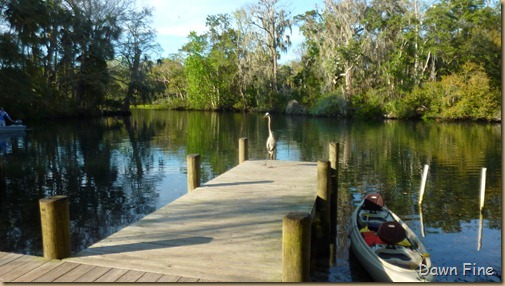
(117,170)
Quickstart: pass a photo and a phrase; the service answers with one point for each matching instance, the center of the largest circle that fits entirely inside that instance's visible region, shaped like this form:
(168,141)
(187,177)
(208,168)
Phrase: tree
(273,23)
(222,59)
(137,41)
(211,65)
(458,31)
(334,43)
(253,74)
(170,73)
(197,72)
(96,30)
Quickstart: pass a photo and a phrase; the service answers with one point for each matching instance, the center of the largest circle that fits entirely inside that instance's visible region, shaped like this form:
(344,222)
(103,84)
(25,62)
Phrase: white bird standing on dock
(271,140)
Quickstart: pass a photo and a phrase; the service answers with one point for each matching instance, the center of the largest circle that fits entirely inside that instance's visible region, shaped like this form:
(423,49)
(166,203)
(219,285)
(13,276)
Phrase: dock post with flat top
(193,161)
(321,226)
(243,150)
(55,220)
(296,231)
(334,149)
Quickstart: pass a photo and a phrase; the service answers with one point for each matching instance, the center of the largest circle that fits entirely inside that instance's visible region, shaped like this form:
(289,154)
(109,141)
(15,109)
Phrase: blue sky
(174,19)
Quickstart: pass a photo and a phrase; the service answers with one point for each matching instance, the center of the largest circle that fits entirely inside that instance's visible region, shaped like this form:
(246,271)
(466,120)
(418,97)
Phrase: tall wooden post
(296,247)
(55,220)
(193,161)
(243,150)
(322,219)
(334,150)
(482,188)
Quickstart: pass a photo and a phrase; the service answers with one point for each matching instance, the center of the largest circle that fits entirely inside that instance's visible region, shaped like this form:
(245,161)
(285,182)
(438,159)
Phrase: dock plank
(93,275)
(75,273)
(111,275)
(168,278)
(150,277)
(12,265)
(188,280)
(130,276)
(229,230)
(30,265)
(27,268)
(38,271)
(57,272)
(9,258)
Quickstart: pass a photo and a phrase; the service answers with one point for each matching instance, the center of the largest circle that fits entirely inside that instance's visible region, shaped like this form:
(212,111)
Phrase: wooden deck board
(38,272)
(27,268)
(75,273)
(111,275)
(150,277)
(9,258)
(12,265)
(130,276)
(33,263)
(230,229)
(168,278)
(57,272)
(93,275)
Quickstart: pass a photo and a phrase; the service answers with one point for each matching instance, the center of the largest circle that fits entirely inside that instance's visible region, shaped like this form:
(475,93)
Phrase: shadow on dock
(142,246)
(237,183)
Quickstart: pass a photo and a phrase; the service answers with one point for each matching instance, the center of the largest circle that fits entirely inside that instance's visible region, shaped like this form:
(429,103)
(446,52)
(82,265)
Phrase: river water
(117,170)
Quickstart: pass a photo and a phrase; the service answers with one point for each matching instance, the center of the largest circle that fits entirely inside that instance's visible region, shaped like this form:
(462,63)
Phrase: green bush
(370,104)
(465,95)
(332,104)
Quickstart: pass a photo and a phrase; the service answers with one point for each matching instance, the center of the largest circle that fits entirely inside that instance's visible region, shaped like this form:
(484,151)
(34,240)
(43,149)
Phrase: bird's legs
(271,157)
(266,160)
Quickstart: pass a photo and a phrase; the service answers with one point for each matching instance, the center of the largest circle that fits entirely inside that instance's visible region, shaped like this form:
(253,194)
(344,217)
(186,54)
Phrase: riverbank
(294,108)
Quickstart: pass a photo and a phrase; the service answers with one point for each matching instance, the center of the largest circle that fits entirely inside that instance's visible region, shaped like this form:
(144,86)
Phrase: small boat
(16,127)
(387,248)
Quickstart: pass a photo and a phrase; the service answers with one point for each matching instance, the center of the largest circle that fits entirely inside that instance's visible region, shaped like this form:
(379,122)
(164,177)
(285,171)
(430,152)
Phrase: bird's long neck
(269,129)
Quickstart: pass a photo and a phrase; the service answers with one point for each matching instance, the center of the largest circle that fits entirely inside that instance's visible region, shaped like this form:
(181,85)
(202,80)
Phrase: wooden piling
(243,150)
(193,161)
(423,183)
(321,227)
(296,232)
(333,154)
(55,220)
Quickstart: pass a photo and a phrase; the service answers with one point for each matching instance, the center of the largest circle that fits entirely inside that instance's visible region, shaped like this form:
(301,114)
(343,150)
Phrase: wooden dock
(19,268)
(228,230)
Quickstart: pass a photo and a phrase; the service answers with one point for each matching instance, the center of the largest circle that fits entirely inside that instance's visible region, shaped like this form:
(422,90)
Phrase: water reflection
(117,170)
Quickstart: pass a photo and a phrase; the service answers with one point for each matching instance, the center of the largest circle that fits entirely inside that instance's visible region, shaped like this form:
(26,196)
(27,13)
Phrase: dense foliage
(63,57)
(393,58)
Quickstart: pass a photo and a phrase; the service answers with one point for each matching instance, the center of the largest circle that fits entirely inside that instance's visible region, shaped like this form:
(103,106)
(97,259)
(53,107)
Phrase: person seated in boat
(4,115)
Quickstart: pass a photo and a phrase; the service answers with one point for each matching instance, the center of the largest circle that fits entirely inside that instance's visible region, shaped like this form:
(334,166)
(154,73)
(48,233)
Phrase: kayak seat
(397,257)
(373,202)
(391,232)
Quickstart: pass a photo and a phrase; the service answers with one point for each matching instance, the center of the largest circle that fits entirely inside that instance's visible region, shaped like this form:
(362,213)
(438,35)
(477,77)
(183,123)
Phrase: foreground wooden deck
(21,268)
(228,230)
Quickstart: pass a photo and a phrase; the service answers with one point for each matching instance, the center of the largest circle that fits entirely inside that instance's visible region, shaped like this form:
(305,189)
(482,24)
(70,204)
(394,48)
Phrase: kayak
(12,129)
(387,248)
